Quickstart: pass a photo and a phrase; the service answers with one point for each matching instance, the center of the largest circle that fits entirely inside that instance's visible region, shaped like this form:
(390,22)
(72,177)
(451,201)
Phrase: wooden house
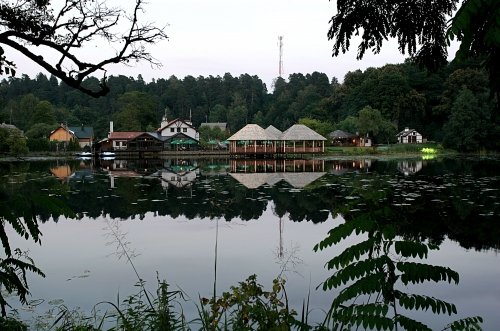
(119,139)
(62,134)
(145,141)
(409,136)
(171,128)
(343,138)
(180,142)
(84,135)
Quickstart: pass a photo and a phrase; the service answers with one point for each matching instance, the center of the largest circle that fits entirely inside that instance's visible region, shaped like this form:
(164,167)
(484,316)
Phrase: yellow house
(84,135)
(62,134)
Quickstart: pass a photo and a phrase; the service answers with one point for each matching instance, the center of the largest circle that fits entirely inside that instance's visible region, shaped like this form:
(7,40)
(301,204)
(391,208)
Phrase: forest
(452,106)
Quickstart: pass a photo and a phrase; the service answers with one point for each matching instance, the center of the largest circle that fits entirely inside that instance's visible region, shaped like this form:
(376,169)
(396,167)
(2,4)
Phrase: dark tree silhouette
(423,30)
(32,27)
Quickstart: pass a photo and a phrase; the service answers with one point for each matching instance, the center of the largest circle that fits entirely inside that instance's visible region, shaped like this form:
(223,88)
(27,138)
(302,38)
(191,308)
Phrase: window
(178,129)
(184,130)
(172,130)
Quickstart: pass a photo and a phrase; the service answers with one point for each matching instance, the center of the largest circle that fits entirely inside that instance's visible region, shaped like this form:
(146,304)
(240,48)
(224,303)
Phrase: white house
(409,136)
(171,128)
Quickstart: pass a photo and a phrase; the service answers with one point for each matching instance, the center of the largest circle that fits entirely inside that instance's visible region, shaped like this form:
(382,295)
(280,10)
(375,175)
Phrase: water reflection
(340,167)
(410,167)
(450,199)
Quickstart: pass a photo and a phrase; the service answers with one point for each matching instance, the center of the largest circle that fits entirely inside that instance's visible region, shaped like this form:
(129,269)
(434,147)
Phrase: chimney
(110,128)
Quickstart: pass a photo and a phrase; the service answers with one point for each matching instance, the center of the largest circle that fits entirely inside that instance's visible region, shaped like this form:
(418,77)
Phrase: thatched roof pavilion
(251,132)
(297,180)
(252,139)
(273,131)
(298,139)
(301,132)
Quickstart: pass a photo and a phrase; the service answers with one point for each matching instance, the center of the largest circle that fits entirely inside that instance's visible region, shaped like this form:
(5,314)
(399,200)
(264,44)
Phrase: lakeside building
(343,138)
(84,135)
(409,136)
(253,140)
(175,135)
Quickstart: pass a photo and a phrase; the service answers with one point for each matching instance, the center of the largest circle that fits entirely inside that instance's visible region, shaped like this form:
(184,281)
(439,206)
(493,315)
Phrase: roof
(62,127)
(252,132)
(124,135)
(178,135)
(155,135)
(82,131)
(172,122)
(301,132)
(407,132)
(273,131)
(341,134)
(296,179)
(8,126)
(220,125)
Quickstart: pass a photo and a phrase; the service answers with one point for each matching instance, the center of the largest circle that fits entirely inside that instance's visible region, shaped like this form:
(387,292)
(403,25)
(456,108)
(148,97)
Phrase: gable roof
(8,126)
(251,132)
(341,134)
(155,135)
(172,122)
(407,132)
(301,132)
(123,135)
(82,131)
(179,135)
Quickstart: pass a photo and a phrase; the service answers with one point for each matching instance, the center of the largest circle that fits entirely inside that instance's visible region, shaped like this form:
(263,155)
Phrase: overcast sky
(241,36)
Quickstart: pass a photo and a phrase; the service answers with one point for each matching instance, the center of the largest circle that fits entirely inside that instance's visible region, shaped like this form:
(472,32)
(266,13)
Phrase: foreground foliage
(373,273)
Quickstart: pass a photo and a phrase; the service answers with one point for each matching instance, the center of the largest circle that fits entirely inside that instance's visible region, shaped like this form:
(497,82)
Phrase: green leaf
(410,324)
(411,249)
(418,273)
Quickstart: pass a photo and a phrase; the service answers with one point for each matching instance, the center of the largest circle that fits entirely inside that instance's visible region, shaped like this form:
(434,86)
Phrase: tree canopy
(34,28)
(423,29)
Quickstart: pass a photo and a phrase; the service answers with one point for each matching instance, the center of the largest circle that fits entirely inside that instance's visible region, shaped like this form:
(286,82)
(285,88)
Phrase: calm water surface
(264,216)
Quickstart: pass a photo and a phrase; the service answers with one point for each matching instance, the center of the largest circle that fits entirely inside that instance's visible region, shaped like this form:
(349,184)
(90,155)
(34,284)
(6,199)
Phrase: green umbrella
(183,142)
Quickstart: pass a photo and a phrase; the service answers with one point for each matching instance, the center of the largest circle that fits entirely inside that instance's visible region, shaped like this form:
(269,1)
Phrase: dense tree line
(453,105)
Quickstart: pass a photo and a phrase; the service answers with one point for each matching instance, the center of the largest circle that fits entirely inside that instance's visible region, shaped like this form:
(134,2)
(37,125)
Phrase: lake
(205,223)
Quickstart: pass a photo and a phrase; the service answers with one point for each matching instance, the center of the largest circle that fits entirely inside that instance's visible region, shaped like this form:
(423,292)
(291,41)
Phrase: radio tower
(280,44)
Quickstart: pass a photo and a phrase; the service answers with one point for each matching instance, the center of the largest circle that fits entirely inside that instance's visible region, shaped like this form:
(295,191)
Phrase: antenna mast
(280,44)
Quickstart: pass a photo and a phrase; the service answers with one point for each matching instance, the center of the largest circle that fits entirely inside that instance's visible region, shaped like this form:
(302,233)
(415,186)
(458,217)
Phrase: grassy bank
(396,149)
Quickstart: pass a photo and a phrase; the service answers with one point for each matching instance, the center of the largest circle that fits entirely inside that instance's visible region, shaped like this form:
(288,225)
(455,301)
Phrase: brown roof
(124,135)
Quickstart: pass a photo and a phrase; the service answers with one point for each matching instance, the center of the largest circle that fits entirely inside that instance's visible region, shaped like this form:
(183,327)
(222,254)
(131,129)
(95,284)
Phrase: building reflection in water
(255,173)
(171,172)
(66,172)
(410,167)
(339,167)
(178,174)
(62,172)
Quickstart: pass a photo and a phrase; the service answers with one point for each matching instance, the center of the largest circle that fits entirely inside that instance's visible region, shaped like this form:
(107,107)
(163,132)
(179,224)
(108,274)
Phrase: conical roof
(271,130)
(251,132)
(301,132)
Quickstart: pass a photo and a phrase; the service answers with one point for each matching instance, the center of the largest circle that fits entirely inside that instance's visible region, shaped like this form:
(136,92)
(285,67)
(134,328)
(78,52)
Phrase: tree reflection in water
(400,216)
